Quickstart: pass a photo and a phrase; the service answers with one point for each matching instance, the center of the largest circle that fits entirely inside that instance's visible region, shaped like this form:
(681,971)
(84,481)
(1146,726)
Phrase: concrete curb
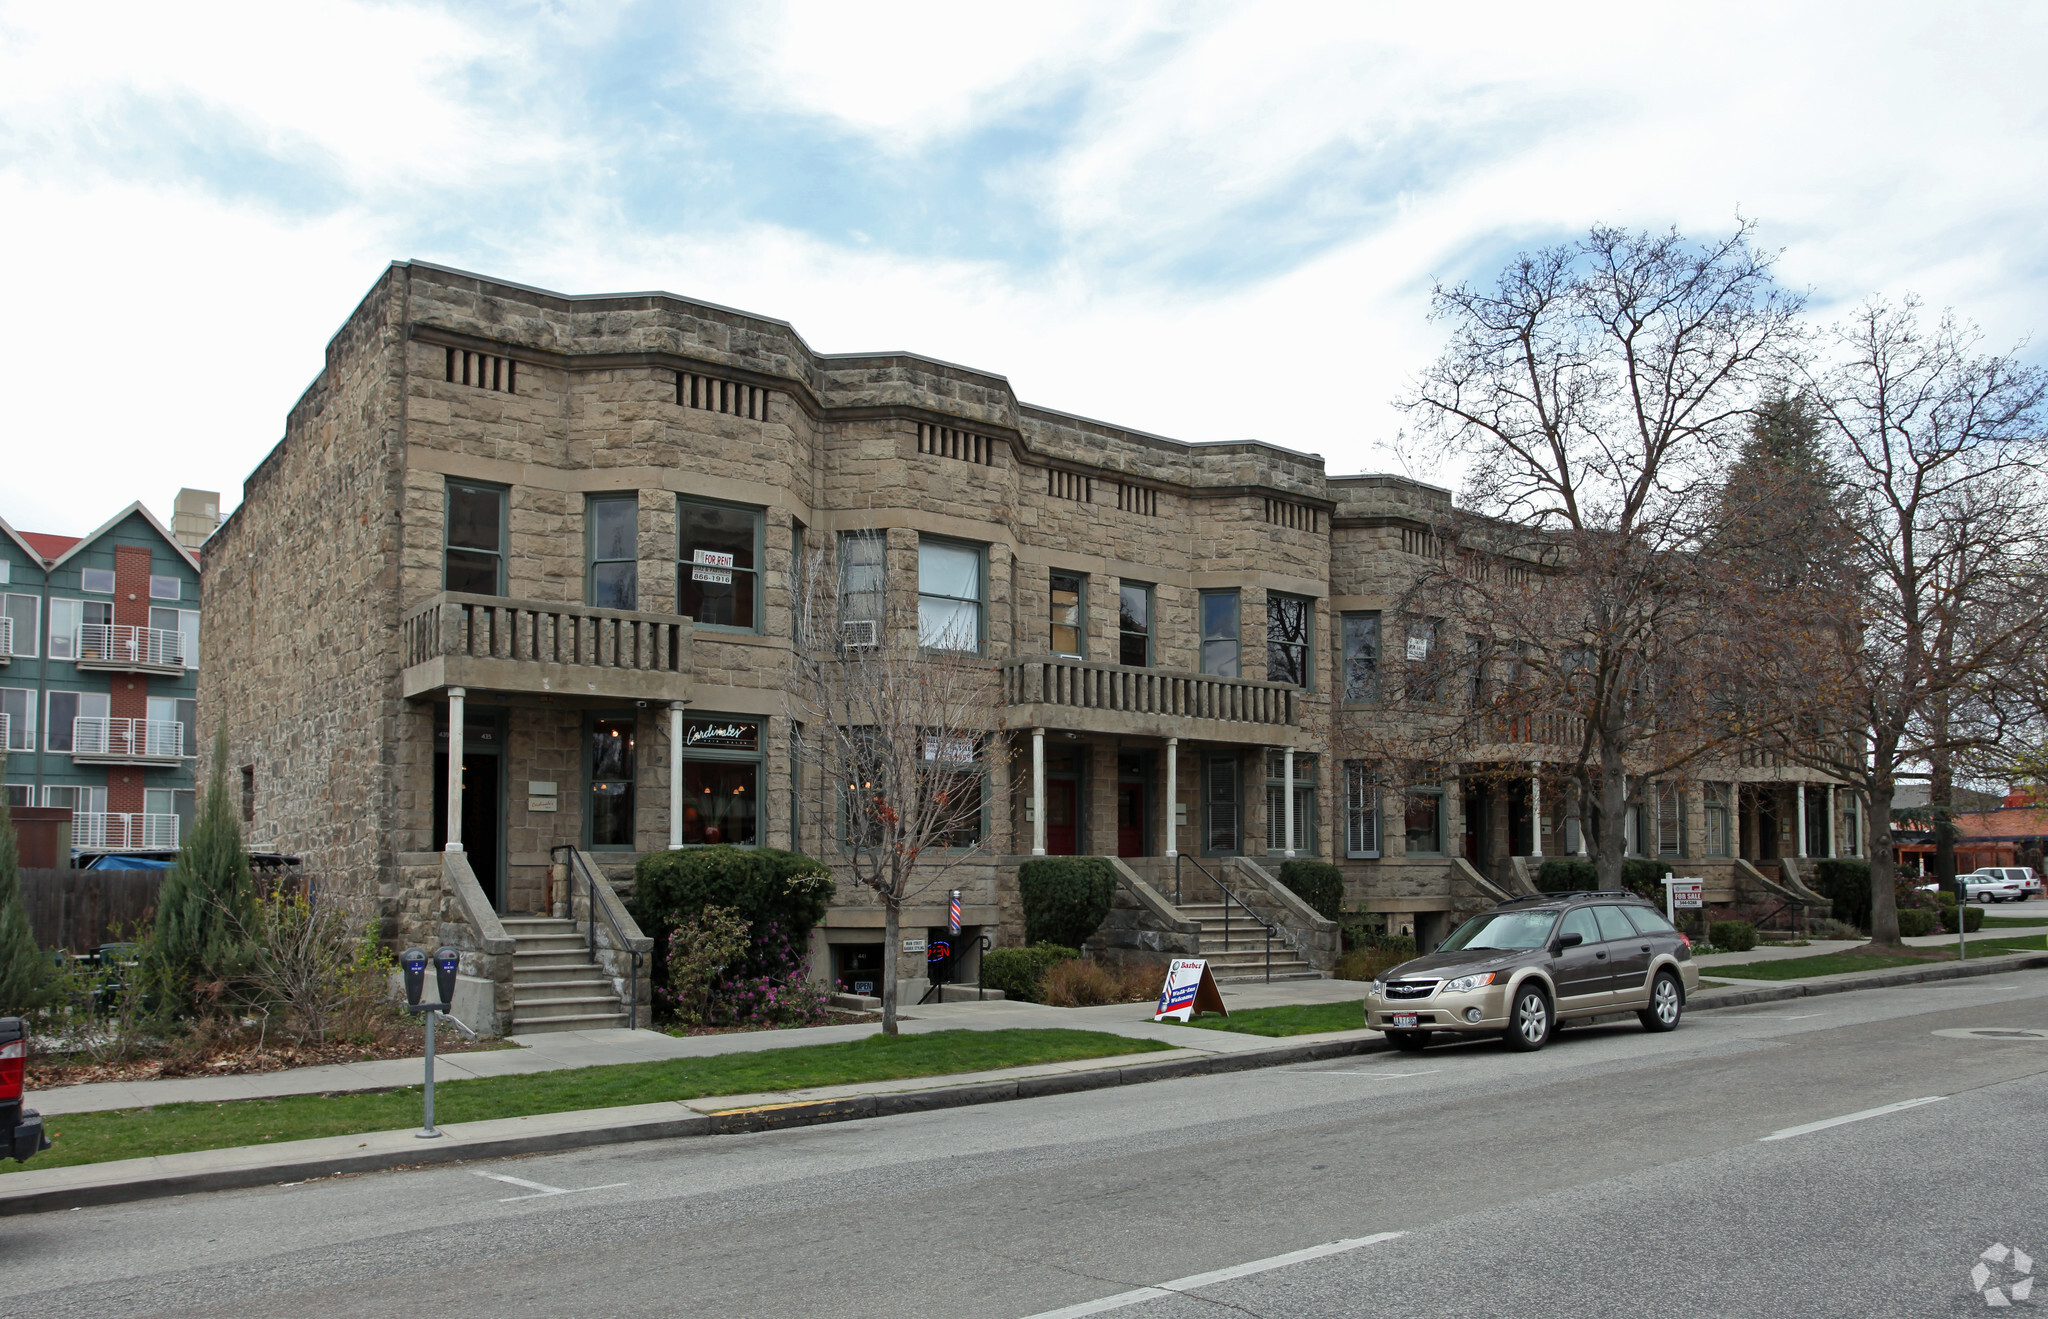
(31,1191)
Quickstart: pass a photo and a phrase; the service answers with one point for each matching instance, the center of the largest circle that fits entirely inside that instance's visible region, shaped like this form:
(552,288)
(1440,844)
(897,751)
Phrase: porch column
(1172,791)
(1535,810)
(455,695)
(1287,815)
(675,775)
(1579,791)
(1802,819)
(1038,792)
(1833,806)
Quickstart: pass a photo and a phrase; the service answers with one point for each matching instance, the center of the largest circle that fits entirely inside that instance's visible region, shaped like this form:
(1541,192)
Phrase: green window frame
(1221,620)
(611,551)
(718,563)
(952,593)
(610,774)
(1068,614)
(1305,831)
(1134,624)
(1422,811)
(473,538)
(1290,630)
(1360,638)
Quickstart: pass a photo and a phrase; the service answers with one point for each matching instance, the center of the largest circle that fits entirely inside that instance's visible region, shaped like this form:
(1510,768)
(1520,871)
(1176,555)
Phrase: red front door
(1130,819)
(1060,837)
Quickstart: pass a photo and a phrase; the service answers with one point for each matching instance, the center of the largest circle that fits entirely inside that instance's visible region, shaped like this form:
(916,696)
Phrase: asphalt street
(1614,1173)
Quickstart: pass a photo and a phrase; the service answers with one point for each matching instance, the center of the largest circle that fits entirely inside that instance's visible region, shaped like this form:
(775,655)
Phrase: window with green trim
(613,523)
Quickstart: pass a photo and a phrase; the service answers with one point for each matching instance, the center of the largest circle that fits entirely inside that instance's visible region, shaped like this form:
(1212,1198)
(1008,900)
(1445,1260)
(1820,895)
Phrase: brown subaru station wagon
(1520,969)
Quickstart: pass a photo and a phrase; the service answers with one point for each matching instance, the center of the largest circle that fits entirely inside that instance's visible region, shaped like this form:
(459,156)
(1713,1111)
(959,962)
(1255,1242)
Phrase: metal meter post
(1962,921)
(447,964)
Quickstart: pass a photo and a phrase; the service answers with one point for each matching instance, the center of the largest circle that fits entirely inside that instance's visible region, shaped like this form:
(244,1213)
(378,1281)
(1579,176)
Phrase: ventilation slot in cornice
(946,442)
(1069,485)
(709,394)
(1423,544)
(1137,499)
(1299,517)
(483,371)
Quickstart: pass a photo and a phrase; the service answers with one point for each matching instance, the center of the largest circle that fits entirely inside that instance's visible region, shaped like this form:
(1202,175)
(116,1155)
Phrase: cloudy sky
(1211,221)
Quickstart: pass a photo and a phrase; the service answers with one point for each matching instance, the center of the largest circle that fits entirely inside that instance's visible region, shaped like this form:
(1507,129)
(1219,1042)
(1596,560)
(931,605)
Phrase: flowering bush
(702,950)
(719,976)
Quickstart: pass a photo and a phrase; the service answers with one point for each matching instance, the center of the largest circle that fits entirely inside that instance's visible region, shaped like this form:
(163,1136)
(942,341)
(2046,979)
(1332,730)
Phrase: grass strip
(1293,1019)
(1827,964)
(133,1133)
(2014,923)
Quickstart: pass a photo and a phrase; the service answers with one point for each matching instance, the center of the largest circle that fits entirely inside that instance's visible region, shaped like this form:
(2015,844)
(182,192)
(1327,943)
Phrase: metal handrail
(576,863)
(1228,899)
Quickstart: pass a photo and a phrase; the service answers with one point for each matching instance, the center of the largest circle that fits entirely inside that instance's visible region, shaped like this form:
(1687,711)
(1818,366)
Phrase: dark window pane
(1066,614)
(718,802)
(473,571)
(473,517)
(719,530)
(1220,634)
(715,575)
(1424,826)
(611,783)
(1361,657)
(612,529)
(725,604)
(1134,626)
(63,710)
(614,585)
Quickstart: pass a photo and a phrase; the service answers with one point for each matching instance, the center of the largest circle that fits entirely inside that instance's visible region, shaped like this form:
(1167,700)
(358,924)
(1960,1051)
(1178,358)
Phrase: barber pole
(953,913)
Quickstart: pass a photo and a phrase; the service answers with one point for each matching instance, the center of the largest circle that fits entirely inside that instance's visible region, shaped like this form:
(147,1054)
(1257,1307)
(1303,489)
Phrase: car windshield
(1502,929)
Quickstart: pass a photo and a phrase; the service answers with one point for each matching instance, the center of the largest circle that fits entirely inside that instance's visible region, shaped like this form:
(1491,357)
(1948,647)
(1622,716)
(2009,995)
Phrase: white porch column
(1172,791)
(1287,777)
(1535,810)
(1038,792)
(1833,805)
(1584,817)
(675,775)
(455,744)
(1802,819)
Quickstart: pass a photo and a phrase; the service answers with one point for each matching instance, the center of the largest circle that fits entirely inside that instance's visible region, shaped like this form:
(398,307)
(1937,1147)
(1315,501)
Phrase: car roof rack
(1572,895)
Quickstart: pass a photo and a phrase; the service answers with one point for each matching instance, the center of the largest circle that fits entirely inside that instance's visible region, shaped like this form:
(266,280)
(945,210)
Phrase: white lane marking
(1384,1075)
(541,1188)
(1790,1132)
(1803,1016)
(1198,1280)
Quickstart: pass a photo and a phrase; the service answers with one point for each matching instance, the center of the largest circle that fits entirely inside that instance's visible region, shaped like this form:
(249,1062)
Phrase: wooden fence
(82,909)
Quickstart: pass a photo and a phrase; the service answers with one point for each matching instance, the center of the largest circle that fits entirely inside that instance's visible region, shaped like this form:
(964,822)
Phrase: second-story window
(948,596)
(475,553)
(612,524)
(1221,636)
(79,627)
(1134,625)
(1068,629)
(1287,624)
(21,612)
(863,579)
(718,564)
(1361,657)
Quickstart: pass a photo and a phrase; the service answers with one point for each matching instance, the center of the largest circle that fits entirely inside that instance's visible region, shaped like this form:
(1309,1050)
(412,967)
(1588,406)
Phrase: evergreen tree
(208,898)
(21,966)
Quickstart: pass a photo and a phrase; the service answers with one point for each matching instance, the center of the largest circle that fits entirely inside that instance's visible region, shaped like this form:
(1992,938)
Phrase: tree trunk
(1884,903)
(1941,804)
(1612,843)
(892,925)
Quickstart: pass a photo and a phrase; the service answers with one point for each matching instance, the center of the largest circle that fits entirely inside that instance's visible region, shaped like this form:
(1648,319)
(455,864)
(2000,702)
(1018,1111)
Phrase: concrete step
(517,925)
(593,1021)
(522,974)
(525,1010)
(575,957)
(552,943)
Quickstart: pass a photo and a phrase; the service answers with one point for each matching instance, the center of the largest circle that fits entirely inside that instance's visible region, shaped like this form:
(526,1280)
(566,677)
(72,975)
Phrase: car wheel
(1409,1041)
(1667,1004)
(1529,1021)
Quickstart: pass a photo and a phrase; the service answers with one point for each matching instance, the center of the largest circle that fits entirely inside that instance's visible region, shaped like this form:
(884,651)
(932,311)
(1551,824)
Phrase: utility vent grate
(946,442)
(483,370)
(710,394)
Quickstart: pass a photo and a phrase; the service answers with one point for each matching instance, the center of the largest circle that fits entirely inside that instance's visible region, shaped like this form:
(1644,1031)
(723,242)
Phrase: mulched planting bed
(235,1057)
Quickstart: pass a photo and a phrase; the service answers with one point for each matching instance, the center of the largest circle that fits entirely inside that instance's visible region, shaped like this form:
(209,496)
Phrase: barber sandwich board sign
(1190,988)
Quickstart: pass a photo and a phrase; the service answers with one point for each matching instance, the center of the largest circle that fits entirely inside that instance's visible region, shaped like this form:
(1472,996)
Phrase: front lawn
(1294,1019)
(2014,923)
(132,1133)
(1802,968)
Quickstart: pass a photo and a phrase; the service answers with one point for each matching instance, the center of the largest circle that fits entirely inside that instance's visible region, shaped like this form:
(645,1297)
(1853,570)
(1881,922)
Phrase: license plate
(1404,1020)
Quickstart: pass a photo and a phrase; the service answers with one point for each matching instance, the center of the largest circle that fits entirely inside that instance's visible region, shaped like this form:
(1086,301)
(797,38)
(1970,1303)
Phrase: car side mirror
(1569,940)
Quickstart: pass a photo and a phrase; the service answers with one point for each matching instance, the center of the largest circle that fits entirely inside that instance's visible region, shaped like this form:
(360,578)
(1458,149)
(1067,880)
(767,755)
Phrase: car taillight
(1687,942)
(13,1058)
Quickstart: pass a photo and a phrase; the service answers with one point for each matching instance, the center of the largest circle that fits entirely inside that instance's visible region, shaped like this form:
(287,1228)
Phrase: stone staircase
(1243,955)
(555,986)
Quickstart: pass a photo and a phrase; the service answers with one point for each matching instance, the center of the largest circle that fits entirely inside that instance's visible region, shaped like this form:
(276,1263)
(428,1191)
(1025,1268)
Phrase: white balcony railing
(115,643)
(97,738)
(6,638)
(112,829)
(6,735)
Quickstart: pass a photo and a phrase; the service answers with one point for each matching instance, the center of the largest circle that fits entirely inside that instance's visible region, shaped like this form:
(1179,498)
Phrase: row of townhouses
(99,651)
(551,537)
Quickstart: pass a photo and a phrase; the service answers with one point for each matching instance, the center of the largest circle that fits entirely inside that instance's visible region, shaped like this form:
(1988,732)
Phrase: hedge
(1731,936)
(1845,882)
(1065,898)
(1973,917)
(1637,874)
(1318,883)
(764,884)
(1913,923)
(1016,971)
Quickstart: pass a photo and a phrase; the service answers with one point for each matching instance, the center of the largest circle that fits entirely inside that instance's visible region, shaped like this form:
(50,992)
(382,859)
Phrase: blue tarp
(109,861)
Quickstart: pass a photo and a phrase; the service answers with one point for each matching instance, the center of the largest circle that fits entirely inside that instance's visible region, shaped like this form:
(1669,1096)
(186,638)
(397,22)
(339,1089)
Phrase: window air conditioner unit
(858,633)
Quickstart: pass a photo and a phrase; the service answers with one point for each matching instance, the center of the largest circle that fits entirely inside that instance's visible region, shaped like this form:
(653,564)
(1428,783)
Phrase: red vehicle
(22,1126)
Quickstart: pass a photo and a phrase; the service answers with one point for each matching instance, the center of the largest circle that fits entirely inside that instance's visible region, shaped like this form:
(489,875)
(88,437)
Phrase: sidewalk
(1821,947)
(559,1050)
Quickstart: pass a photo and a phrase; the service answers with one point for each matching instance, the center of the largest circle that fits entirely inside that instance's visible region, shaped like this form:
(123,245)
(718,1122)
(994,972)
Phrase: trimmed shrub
(1318,883)
(1017,971)
(1065,898)
(207,902)
(22,969)
(1081,984)
(1845,882)
(1366,963)
(780,895)
(1732,936)
(1914,923)
(1973,919)
(1638,875)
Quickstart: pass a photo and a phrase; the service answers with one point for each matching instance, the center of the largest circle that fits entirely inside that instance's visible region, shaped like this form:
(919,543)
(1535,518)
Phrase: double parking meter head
(414,963)
(447,961)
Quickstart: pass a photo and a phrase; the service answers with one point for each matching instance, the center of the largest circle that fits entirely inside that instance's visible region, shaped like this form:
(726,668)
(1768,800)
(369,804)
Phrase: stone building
(560,531)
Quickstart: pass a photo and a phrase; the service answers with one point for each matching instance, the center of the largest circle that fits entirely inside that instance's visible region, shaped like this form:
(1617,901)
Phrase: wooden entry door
(1130,819)
(1061,798)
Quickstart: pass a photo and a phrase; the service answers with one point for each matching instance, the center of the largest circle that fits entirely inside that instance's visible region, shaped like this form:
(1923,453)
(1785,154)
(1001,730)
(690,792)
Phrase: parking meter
(447,962)
(414,963)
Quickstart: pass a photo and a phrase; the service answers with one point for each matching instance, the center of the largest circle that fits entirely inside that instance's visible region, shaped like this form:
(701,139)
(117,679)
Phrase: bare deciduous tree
(1593,394)
(901,726)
